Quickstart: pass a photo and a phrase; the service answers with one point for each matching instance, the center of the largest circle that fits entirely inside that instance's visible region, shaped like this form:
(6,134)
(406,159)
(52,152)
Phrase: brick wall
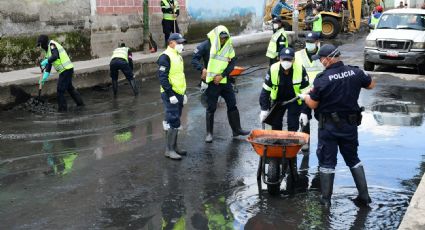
(118,7)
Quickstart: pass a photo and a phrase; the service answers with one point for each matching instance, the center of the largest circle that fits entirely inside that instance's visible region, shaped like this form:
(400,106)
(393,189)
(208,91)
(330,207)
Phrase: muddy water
(103,166)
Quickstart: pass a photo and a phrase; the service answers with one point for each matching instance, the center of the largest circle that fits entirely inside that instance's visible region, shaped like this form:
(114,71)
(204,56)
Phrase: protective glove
(302,96)
(44,63)
(184,99)
(263,115)
(44,78)
(165,125)
(174,100)
(303,119)
(204,86)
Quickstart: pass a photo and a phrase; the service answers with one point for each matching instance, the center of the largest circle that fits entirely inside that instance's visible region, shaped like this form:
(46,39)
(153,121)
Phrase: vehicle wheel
(368,66)
(273,173)
(330,27)
(421,69)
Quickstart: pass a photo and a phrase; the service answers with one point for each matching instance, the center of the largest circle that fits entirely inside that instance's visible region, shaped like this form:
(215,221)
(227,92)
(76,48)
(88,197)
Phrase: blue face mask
(310,46)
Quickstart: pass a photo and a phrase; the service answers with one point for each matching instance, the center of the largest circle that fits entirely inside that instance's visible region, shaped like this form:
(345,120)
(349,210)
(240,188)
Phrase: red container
(291,149)
(237,71)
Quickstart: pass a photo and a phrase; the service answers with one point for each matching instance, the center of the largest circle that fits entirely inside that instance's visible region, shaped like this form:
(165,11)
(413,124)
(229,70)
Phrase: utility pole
(295,14)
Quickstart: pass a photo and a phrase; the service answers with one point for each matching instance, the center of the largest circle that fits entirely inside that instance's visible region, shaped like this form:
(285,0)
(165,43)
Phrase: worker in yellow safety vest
(57,57)
(122,59)
(220,58)
(313,67)
(170,12)
(278,41)
(173,91)
(316,21)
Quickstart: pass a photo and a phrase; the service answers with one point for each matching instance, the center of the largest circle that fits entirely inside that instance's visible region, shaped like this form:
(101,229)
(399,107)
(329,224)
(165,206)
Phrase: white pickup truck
(398,40)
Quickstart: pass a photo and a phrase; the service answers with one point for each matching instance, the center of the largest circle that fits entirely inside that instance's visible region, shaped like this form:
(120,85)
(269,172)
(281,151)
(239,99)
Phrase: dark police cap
(287,53)
(277,19)
(42,39)
(312,37)
(224,34)
(177,37)
(327,51)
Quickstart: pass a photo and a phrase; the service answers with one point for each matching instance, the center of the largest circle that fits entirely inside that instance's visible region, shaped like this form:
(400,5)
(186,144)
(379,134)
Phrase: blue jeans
(331,138)
(173,112)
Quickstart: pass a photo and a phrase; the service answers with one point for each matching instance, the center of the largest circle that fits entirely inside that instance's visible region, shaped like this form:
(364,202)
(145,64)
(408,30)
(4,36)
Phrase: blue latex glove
(45,77)
(44,63)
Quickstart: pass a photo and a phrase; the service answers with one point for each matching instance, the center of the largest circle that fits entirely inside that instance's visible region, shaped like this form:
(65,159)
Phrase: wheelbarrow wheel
(273,172)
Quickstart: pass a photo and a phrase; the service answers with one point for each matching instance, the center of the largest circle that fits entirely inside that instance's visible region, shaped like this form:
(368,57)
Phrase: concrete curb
(414,217)
(96,71)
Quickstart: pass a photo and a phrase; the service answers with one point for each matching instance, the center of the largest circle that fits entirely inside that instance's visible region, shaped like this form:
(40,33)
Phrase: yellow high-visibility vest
(63,62)
(219,56)
(176,75)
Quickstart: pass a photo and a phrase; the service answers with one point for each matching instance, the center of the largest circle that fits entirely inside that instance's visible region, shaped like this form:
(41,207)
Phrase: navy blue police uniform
(213,91)
(337,89)
(173,112)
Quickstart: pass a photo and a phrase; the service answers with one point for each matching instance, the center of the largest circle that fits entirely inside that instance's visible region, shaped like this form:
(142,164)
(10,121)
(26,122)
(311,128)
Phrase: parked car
(398,40)
(398,113)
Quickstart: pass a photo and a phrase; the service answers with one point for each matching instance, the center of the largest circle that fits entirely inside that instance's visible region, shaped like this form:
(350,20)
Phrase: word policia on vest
(341,75)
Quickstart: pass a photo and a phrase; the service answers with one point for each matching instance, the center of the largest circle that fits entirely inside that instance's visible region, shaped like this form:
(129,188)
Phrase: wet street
(103,166)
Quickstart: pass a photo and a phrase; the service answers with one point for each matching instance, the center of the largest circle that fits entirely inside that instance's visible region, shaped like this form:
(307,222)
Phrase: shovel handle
(290,101)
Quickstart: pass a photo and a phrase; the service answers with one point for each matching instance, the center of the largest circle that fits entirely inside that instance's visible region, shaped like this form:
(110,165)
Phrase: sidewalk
(414,217)
(96,71)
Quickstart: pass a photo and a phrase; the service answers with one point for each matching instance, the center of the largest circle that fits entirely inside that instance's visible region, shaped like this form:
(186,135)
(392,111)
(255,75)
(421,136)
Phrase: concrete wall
(93,28)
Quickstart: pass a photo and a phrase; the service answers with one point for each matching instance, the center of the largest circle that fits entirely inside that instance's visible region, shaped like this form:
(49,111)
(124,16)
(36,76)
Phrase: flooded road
(103,166)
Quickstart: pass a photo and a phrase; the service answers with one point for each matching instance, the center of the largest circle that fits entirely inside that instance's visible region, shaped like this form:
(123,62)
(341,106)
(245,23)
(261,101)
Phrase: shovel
(275,110)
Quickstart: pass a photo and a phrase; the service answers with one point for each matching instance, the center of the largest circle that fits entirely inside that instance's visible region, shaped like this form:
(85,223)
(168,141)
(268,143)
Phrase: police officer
(170,11)
(284,81)
(316,20)
(278,41)
(173,91)
(122,59)
(334,98)
(313,67)
(57,57)
(218,52)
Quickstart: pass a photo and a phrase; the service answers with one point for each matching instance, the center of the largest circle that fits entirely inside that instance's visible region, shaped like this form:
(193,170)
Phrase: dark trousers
(294,111)
(65,84)
(331,138)
(173,112)
(225,91)
(117,64)
(168,28)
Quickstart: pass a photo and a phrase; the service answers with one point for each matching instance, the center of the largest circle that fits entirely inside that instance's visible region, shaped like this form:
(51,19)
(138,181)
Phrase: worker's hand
(44,78)
(175,15)
(302,96)
(204,74)
(184,99)
(263,115)
(165,125)
(217,79)
(174,100)
(303,119)
(44,63)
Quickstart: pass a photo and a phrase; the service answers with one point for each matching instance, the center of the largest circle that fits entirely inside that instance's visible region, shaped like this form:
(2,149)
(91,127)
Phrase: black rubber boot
(326,184)
(76,96)
(179,151)
(235,123)
(361,184)
(170,143)
(210,127)
(133,85)
(115,87)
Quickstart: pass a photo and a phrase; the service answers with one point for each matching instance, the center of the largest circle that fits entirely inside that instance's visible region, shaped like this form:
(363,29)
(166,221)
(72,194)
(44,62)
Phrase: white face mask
(310,46)
(275,26)
(286,64)
(179,48)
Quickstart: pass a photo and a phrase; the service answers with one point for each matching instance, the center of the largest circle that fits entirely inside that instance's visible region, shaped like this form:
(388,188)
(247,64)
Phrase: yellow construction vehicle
(332,23)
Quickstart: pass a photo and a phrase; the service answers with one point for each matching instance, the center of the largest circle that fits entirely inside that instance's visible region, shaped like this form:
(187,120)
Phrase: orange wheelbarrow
(277,149)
